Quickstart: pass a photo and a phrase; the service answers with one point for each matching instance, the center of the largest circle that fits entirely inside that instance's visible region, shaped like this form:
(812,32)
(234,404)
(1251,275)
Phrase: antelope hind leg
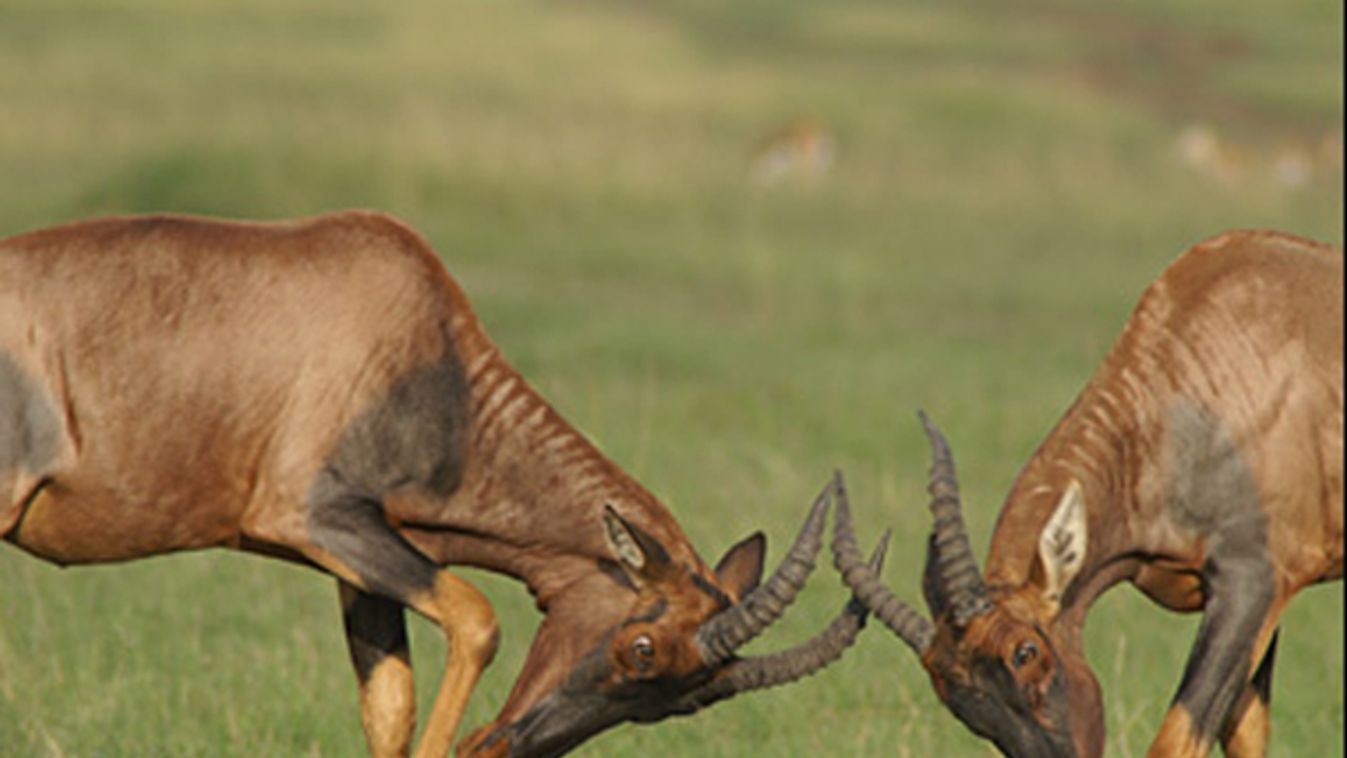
(376,637)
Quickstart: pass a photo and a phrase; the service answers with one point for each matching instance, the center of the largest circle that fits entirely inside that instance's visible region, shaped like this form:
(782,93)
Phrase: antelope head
(992,653)
(671,649)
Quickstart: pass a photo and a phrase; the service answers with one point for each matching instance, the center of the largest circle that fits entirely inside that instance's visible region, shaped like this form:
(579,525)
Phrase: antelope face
(666,649)
(991,653)
(1002,676)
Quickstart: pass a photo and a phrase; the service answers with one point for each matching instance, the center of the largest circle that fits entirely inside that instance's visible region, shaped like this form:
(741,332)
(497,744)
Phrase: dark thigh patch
(1212,490)
(29,430)
(414,436)
(1213,493)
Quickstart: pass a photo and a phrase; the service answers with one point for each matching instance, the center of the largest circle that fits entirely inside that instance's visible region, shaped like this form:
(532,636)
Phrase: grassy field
(1007,178)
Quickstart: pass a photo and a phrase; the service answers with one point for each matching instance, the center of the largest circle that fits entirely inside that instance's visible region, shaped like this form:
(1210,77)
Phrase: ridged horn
(733,627)
(952,579)
(905,621)
(807,658)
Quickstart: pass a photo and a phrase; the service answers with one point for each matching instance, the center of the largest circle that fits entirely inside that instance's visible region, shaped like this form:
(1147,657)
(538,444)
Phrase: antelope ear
(1062,544)
(639,554)
(741,567)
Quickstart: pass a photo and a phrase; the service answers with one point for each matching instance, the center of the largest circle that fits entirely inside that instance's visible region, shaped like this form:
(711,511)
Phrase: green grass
(1006,183)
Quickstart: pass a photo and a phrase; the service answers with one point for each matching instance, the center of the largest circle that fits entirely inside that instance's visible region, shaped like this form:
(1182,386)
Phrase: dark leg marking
(1218,667)
(355,531)
(376,627)
(1245,733)
(1262,678)
(376,637)
(1214,494)
(413,437)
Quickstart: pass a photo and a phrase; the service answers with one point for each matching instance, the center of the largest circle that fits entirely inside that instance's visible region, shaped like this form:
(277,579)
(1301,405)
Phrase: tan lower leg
(387,688)
(388,707)
(472,632)
(1177,737)
(1246,736)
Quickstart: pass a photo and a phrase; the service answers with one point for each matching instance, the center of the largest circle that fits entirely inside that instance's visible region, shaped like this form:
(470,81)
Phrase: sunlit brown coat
(1202,462)
(319,390)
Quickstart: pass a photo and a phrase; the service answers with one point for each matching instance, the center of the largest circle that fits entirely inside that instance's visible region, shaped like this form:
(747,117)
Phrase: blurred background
(738,244)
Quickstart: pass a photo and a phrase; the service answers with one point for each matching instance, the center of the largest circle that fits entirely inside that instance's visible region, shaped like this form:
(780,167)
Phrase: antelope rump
(319,390)
(1202,463)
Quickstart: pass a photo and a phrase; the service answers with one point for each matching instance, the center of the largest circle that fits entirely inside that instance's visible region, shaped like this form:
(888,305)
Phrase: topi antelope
(1203,463)
(804,148)
(320,391)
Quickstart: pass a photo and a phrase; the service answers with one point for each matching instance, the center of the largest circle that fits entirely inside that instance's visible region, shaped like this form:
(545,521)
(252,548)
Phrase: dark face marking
(993,707)
(1006,682)
(656,611)
(621,679)
(1214,494)
(641,669)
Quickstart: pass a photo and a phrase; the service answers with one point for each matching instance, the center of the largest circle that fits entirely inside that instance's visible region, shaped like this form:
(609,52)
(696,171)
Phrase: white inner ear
(622,543)
(1061,546)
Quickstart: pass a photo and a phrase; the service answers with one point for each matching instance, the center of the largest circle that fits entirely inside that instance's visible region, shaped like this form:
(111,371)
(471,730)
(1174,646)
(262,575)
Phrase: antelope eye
(1025,653)
(643,650)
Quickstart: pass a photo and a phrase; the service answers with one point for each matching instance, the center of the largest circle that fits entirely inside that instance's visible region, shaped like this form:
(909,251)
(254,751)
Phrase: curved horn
(952,579)
(730,629)
(905,621)
(809,657)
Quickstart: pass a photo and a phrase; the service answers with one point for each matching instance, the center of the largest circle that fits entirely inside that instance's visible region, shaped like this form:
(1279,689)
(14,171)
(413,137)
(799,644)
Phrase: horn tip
(881,550)
(822,502)
(843,511)
(928,425)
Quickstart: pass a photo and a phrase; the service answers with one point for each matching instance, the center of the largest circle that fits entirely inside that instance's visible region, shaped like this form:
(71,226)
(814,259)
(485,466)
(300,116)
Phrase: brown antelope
(803,148)
(319,390)
(1203,463)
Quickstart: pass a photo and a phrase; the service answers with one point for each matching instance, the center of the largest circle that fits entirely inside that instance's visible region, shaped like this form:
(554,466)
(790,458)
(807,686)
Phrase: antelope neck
(533,489)
(1092,445)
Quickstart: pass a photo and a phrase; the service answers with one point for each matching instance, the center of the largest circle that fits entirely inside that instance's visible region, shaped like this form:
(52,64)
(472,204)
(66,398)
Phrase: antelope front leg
(470,627)
(1246,733)
(1236,628)
(376,637)
(349,536)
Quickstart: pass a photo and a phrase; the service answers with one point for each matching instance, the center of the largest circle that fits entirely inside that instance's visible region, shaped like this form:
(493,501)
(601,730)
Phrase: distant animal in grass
(319,390)
(803,149)
(1201,148)
(1290,165)
(1203,463)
